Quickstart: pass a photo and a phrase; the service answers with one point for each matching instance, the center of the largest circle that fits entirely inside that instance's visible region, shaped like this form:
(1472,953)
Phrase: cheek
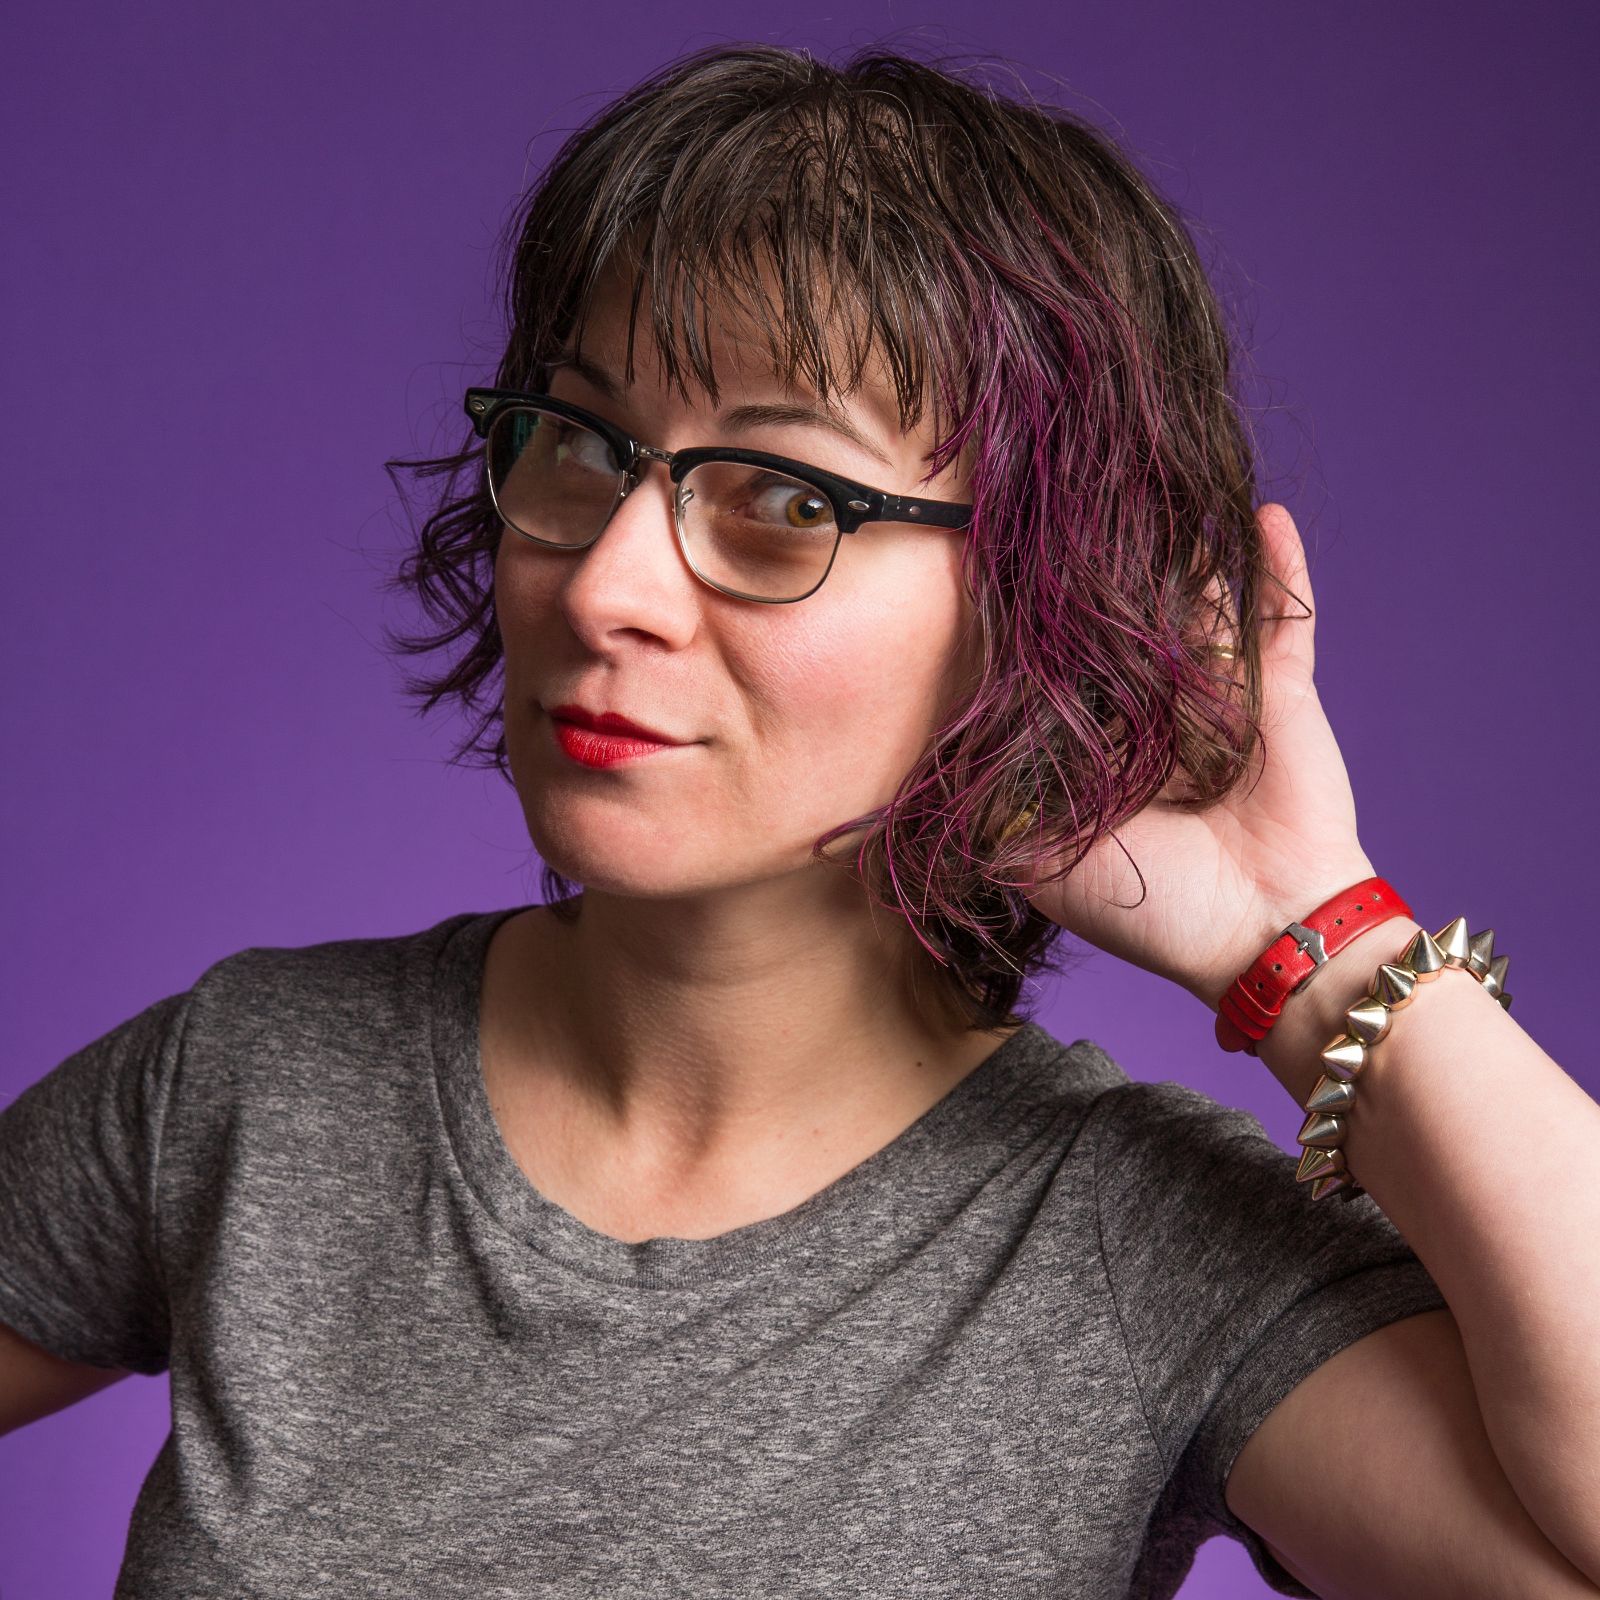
(512,583)
(854,699)
(524,596)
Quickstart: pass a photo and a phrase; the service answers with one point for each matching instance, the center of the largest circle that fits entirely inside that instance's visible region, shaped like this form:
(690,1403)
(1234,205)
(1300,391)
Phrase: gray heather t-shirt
(1013,1353)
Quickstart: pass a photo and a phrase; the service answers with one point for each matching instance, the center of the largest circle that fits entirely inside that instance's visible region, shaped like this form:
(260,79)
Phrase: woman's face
(799,716)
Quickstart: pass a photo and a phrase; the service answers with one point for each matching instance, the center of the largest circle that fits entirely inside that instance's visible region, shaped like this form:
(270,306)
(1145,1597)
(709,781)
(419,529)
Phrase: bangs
(803,221)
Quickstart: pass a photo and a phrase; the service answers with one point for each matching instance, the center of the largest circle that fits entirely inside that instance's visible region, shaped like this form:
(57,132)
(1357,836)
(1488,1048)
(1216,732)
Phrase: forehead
(733,349)
(724,330)
(795,407)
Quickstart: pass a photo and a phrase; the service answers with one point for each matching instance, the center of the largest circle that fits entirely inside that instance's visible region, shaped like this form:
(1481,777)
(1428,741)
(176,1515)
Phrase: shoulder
(298,1067)
(1188,1187)
(1137,1131)
(274,975)
(310,1024)
(1133,1130)
(1146,1110)
(319,990)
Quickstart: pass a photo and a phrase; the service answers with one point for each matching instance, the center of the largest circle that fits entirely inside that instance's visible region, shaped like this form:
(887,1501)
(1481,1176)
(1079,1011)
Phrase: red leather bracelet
(1254,1000)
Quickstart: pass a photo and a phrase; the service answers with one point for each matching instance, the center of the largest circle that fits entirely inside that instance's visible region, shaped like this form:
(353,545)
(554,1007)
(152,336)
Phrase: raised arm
(1403,1455)
(1476,1144)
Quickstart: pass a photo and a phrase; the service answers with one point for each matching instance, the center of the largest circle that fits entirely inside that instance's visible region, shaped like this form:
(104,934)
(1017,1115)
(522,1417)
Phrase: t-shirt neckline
(970,1133)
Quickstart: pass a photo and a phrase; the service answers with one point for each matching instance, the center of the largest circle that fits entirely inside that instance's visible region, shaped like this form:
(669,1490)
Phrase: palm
(1219,885)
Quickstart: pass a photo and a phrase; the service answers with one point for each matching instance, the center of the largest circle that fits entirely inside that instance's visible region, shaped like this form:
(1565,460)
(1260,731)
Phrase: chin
(594,845)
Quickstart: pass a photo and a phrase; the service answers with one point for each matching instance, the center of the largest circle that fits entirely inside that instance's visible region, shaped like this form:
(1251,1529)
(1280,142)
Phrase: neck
(696,1032)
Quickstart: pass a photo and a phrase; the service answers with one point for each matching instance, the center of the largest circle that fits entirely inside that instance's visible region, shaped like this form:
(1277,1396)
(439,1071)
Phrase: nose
(647,505)
(636,558)
(644,455)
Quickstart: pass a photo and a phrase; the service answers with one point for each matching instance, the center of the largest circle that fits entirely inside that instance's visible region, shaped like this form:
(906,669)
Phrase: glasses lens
(760,534)
(552,479)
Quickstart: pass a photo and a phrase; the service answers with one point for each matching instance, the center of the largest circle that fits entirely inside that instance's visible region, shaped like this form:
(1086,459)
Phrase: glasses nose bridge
(643,455)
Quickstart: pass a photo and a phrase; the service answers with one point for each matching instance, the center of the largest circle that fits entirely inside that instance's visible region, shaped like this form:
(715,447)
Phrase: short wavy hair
(1026,288)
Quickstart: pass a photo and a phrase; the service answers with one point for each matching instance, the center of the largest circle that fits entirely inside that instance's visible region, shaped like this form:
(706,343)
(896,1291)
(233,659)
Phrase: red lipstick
(602,739)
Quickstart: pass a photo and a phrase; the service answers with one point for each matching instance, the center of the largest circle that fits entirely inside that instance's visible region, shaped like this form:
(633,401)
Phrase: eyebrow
(748,416)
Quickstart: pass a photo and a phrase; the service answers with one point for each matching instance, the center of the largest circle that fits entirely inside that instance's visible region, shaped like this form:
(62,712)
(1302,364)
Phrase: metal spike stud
(1321,1130)
(1315,1163)
(1345,1057)
(1482,951)
(1454,940)
(1394,985)
(1331,1183)
(1367,1019)
(1333,1095)
(1423,957)
(1495,980)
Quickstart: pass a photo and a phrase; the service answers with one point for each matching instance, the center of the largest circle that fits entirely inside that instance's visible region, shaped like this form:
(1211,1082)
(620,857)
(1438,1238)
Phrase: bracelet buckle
(1307,940)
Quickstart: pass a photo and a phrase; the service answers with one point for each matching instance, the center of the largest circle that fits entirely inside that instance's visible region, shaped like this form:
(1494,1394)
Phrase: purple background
(250,251)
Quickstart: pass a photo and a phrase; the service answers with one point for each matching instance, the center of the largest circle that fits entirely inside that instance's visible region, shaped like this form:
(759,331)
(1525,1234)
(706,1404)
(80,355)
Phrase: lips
(611,722)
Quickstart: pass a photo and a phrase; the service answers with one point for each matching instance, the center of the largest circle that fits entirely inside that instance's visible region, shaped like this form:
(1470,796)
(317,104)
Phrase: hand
(1221,884)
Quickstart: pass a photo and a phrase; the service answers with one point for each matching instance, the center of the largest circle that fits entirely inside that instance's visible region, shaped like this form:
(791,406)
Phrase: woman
(864,442)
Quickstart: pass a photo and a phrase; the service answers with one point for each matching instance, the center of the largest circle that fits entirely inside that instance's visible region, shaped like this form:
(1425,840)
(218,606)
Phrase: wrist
(1266,923)
(1292,1050)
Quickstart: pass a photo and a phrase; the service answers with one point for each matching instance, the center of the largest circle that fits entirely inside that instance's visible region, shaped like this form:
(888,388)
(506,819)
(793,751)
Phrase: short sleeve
(80,1272)
(1231,1285)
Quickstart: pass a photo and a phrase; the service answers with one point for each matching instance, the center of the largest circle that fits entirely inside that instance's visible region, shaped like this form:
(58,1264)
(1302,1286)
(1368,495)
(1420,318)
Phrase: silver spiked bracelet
(1427,955)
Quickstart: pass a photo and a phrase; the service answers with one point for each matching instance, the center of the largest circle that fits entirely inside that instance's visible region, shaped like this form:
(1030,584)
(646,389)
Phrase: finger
(1288,615)
(1212,635)
(1287,639)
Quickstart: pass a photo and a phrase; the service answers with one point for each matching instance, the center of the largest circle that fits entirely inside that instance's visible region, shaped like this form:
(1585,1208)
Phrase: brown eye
(771,500)
(808,509)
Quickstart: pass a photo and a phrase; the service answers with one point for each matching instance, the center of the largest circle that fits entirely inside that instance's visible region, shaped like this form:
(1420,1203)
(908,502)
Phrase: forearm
(1481,1150)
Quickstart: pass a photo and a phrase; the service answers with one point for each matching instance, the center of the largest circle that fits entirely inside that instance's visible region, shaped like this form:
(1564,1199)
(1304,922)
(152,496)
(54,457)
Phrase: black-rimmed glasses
(754,525)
